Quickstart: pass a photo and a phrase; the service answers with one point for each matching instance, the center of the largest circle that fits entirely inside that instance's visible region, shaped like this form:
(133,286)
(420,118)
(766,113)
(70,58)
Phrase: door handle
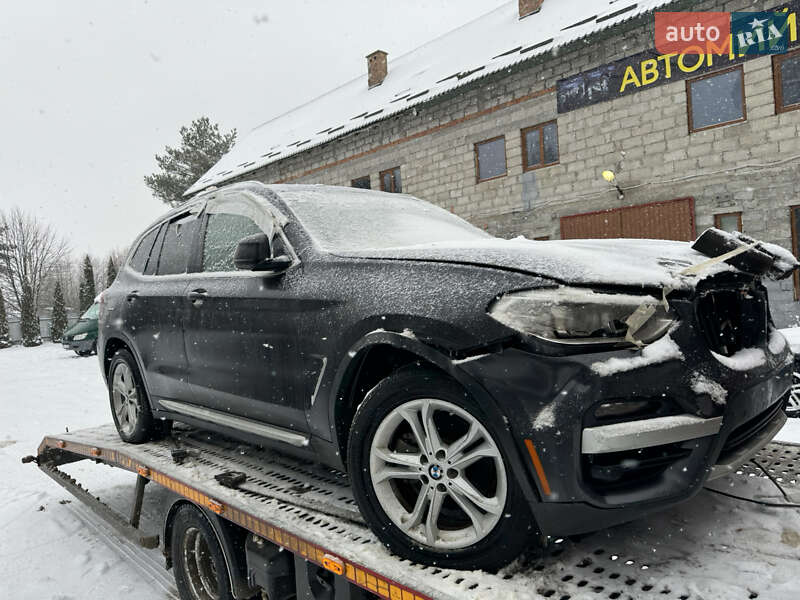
(133,295)
(198,294)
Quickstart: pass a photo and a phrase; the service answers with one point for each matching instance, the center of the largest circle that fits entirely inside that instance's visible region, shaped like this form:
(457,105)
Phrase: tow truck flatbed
(727,542)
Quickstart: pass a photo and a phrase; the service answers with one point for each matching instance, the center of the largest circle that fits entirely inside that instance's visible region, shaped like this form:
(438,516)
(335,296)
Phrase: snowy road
(60,551)
(49,549)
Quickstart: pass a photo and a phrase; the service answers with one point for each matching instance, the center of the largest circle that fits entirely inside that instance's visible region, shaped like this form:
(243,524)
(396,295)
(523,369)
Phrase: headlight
(577,316)
(79,337)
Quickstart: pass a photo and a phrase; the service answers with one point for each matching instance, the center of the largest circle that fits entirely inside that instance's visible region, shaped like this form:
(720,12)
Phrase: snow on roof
(488,44)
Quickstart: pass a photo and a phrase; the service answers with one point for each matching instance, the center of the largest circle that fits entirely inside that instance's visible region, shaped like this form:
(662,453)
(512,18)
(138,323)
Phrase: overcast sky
(90,91)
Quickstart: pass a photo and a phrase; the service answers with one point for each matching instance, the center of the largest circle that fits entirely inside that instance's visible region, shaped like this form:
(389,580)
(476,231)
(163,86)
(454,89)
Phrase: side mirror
(254,253)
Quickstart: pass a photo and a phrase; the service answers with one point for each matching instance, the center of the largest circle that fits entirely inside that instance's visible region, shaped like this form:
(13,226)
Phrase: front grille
(732,319)
(747,431)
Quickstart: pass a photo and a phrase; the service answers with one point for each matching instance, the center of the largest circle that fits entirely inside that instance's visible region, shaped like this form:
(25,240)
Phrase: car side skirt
(254,427)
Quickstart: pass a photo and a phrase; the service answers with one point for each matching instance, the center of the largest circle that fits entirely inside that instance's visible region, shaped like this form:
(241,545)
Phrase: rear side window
(139,258)
(177,245)
(224,231)
(152,262)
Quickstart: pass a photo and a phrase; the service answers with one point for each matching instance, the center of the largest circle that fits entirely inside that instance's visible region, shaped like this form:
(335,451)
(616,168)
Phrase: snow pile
(659,351)
(777,342)
(743,360)
(792,335)
(703,385)
(784,260)
(546,418)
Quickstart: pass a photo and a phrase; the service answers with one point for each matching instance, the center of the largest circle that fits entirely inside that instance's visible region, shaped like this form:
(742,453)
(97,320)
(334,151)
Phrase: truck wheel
(430,477)
(130,407)
(200,569)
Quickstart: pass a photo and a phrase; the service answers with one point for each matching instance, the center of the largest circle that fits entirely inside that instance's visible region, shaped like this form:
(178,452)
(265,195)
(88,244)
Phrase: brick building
(510,120)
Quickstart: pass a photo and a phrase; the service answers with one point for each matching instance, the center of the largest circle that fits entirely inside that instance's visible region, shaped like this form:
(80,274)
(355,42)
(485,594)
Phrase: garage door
(669,220)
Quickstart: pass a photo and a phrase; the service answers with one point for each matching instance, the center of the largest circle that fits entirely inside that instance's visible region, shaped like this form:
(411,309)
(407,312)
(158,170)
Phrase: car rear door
(156,303)
(241,326)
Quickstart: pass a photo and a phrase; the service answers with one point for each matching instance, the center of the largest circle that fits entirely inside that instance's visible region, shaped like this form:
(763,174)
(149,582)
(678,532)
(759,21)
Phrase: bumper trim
(644,433)
(747,451)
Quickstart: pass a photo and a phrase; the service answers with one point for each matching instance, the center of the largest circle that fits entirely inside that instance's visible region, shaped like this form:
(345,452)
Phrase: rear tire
(413,467)
(130,406)
(197,558)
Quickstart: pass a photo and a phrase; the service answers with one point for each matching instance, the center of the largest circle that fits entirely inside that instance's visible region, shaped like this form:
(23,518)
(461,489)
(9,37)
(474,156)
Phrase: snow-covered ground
(50,549)
(51,546)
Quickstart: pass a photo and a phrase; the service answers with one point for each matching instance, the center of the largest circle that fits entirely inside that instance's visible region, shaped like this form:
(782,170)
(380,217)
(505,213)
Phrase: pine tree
(202,145)
(59,323)
(86,290)
(5,337)
(30,321)
(111,272)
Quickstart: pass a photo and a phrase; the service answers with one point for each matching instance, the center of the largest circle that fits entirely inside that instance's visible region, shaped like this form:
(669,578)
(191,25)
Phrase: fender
(231,539)
(493,412)
(132,349)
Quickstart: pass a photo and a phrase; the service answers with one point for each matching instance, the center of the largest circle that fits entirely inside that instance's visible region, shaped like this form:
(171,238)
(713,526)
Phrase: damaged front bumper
(598,474)
(83,346)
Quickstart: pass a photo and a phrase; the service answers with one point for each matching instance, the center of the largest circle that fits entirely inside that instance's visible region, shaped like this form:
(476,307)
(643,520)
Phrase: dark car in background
(82,336)
(481,393)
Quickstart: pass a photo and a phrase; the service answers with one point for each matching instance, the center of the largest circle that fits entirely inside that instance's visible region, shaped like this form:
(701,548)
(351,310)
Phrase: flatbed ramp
(738,539)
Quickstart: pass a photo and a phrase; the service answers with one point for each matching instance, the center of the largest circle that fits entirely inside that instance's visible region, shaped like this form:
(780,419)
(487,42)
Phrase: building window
(540,146)
(361,182)
(490,159)
(786,78)
(542,238)
(728,221)
(390,180)
(795,216)
(716,99)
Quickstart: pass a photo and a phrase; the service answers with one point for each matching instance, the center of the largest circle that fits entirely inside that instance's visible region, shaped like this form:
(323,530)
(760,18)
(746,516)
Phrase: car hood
(82,327)
(623,262)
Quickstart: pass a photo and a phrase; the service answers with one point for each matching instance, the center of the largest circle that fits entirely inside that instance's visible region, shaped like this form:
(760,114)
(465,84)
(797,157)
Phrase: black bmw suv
(481,393)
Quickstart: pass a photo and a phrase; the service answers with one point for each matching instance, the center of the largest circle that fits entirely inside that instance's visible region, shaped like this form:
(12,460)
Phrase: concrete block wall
(643,137)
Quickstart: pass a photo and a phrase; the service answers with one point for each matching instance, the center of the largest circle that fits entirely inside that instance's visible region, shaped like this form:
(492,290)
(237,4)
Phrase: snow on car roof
(488,44)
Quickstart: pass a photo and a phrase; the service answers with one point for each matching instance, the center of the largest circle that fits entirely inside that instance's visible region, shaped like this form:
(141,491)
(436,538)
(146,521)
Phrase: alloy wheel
(126,398)
(438,474)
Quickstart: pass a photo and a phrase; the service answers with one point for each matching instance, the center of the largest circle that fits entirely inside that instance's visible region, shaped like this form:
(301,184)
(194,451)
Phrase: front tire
(130,406)
(430,477)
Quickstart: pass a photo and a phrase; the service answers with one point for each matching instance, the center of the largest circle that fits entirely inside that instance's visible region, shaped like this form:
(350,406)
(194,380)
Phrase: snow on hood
(628,262)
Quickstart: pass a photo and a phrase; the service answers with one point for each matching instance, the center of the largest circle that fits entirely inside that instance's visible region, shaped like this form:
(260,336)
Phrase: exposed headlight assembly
(578,316)
(79,337)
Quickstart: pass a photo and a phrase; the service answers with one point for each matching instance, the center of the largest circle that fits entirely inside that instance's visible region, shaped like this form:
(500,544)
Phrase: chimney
(376,67)
(529,7)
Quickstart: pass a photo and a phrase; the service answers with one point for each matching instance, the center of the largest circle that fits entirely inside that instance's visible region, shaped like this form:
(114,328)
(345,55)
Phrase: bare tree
(30,252)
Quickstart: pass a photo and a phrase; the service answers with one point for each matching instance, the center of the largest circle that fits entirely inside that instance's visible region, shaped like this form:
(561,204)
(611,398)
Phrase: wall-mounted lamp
(611,178)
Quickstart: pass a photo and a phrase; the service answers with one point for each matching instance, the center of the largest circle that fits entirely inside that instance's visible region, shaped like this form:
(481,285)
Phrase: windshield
(92,312)
(348,219)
